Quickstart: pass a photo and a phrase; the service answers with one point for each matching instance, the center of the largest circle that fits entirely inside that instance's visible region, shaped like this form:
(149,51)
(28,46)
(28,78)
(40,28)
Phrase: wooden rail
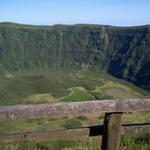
(8,113)
(26,137)
(111,130)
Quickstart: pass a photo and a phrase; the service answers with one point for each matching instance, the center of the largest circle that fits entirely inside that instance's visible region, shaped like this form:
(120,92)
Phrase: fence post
(111,131)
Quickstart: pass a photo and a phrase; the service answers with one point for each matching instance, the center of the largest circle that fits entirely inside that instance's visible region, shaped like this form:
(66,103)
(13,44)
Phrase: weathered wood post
(111,131)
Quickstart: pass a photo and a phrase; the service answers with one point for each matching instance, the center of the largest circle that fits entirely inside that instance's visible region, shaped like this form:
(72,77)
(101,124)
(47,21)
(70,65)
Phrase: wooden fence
(111,130)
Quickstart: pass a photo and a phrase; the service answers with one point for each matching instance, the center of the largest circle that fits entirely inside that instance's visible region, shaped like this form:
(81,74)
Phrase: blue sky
(49,12)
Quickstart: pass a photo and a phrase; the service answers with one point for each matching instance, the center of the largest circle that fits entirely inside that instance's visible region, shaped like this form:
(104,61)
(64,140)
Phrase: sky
(50,12)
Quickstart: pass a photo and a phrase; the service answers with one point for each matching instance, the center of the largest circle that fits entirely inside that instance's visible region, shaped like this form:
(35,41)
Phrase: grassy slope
(45,86)
(78,94)
(61,46)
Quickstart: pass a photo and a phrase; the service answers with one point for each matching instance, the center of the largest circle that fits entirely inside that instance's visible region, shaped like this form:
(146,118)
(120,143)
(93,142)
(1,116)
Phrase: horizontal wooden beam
(72,108)
(25,137)
(131,129)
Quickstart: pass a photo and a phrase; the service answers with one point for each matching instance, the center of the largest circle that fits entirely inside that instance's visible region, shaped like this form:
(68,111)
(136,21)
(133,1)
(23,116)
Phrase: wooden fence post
(111,131)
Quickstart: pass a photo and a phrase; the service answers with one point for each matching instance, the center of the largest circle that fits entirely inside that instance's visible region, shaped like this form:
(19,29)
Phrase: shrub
(81,117)
(101,117)
(73,123)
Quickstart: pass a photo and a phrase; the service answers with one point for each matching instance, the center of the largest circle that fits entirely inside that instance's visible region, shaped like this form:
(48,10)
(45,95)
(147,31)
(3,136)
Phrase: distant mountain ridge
(123,52)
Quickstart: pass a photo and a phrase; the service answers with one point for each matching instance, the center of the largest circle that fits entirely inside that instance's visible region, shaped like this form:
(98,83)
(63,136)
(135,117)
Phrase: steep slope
(129,56)
(123,52)
(53,47)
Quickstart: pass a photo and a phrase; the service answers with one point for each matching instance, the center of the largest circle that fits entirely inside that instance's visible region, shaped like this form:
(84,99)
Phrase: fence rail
(26,137)
(9,113)
(111,130)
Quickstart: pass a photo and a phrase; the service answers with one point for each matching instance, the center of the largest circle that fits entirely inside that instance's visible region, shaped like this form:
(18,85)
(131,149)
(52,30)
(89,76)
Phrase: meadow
(55,86)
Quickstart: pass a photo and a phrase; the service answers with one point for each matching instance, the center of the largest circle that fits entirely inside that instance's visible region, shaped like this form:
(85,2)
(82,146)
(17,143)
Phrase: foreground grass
(127,143)
(78,143)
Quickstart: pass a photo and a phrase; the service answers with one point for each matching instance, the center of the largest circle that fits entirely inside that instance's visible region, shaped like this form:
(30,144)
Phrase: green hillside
(121,51)
(66,63)
(42,86)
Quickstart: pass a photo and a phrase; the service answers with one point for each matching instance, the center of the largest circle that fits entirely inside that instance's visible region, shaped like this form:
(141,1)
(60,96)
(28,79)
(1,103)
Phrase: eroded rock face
(123,52)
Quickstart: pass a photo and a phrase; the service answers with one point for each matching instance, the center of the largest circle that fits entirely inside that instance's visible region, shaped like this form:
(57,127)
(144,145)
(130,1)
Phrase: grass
(78,94)
(39,49)
(120,93)
(27,86)
(117,90)
(45,124)
(40,124)
(45,87)
(73,123)
(127,143)
(51,145)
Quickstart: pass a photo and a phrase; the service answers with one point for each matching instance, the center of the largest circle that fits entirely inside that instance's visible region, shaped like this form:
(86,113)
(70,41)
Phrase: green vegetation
(81,117)
(44,86)
(51,145)
(73,123)
(117,90)
(135,143)
(129,143)
(50,64)
(41,86)
(78,95)
(121,51)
